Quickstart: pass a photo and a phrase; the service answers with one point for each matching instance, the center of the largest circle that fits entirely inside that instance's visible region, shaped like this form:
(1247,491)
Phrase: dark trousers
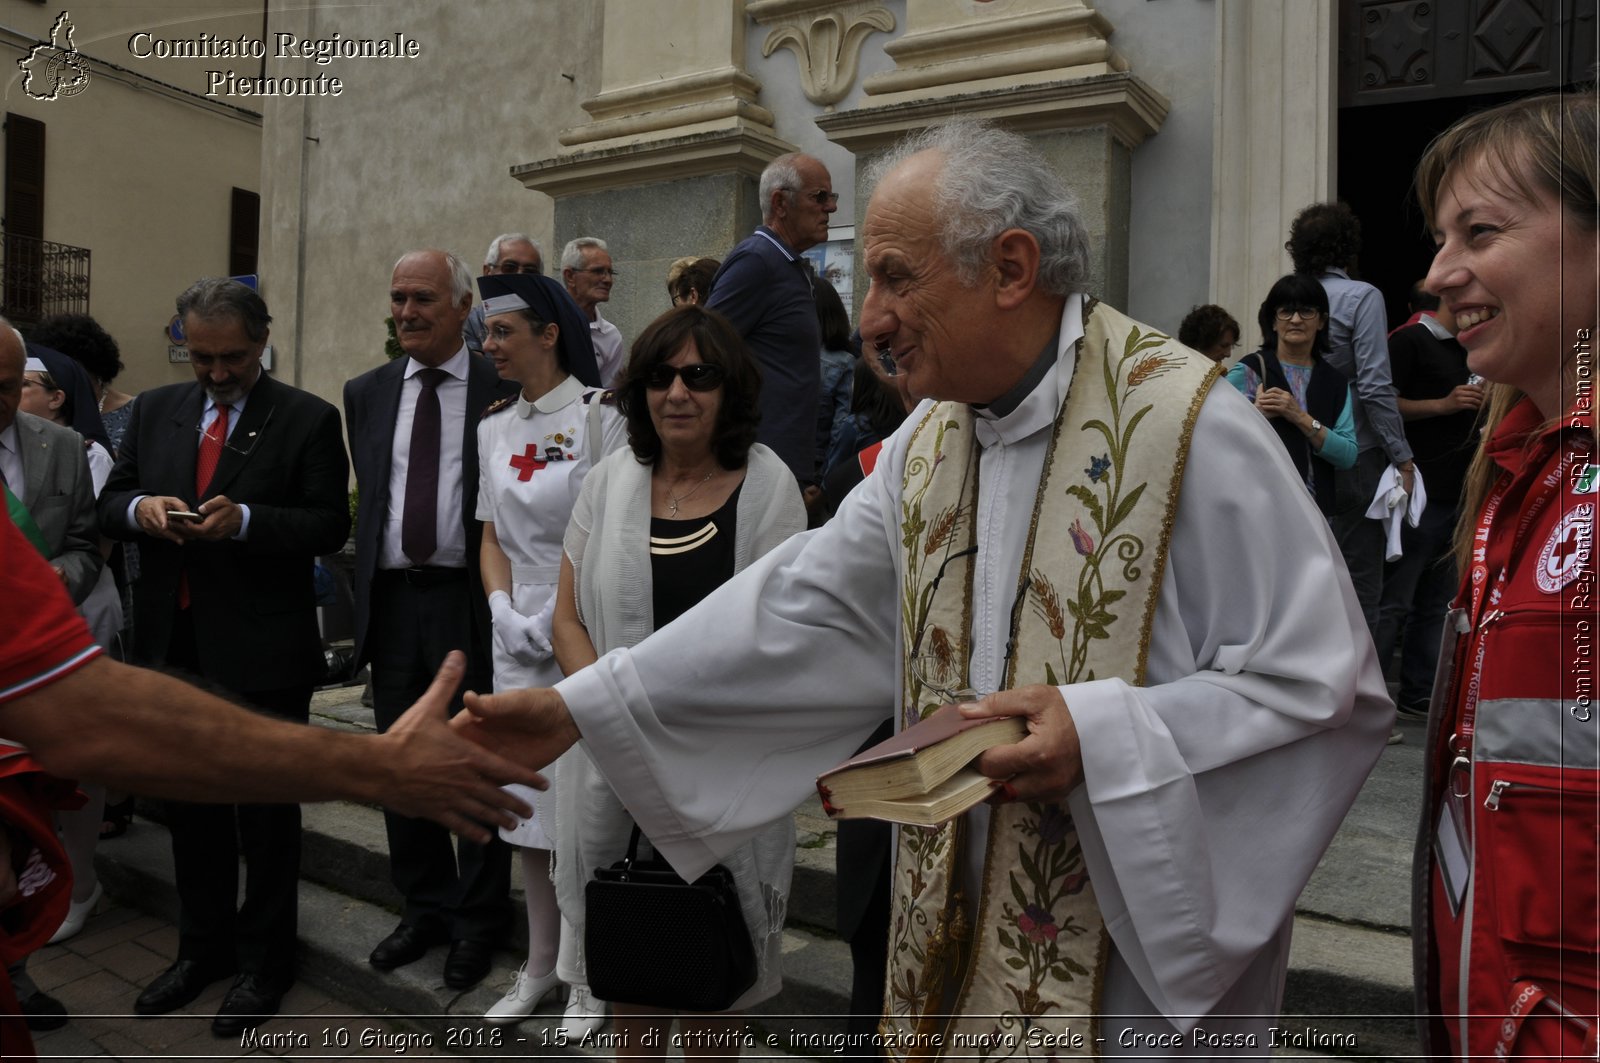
(864,854)
(207,841)
(460,891)
(1417,589)
(1360,538)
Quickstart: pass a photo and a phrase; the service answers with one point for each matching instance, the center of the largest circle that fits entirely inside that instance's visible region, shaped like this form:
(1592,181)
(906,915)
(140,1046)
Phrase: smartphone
(184,514)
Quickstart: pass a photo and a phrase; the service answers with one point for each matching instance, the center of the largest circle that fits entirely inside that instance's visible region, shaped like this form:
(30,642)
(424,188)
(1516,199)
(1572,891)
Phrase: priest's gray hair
(225,298)
(572,254)
(491,257)
(781,173)
(994,180)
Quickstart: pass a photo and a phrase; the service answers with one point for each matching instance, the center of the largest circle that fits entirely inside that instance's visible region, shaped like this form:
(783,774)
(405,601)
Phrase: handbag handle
(633,850)
(1261,373)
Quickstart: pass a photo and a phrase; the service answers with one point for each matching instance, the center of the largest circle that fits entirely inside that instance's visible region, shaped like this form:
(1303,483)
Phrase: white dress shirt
(607,340)
(452,543)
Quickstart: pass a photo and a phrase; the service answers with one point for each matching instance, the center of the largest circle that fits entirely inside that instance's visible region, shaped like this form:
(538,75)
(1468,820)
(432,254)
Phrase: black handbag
(655,940)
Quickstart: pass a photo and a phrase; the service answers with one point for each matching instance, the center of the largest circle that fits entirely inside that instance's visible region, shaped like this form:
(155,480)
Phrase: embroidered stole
(971,975)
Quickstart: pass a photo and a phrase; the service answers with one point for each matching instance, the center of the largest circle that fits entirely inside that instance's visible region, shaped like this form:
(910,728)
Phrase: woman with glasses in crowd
(535,451)
(1306,399)
(658,526)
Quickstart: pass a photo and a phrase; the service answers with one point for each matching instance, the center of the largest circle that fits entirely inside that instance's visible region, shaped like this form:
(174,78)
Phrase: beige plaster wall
(138,173)
(103,29)
(413,153)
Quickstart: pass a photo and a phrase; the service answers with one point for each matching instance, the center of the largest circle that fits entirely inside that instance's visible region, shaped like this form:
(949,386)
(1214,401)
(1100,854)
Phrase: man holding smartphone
(232,485)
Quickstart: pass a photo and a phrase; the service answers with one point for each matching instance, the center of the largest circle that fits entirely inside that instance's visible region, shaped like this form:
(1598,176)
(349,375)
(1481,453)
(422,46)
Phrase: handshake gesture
(530,727)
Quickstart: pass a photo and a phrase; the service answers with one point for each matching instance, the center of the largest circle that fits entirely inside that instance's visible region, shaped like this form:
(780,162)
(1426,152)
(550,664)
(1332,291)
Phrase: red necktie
(205,467)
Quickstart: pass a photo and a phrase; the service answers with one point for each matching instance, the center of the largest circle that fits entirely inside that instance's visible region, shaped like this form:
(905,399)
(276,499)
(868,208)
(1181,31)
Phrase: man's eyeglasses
(697,377)
(599,271)
(511,265)
(821,197)
(1307,313)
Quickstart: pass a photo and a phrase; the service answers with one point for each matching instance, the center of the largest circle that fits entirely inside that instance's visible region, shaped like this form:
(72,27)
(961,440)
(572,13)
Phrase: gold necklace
(673,499)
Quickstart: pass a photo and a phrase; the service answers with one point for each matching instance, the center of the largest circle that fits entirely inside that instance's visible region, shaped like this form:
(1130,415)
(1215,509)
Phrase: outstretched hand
(1048,763)
(437,773)
(532,726)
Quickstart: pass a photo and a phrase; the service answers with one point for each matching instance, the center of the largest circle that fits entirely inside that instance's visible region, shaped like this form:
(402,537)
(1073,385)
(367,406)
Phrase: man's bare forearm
(154,734)
(157,735)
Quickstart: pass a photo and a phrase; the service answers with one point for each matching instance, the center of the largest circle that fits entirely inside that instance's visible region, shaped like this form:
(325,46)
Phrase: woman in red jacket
(1509,963)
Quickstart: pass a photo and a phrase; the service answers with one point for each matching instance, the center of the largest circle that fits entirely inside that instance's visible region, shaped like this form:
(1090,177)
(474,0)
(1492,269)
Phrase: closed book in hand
(944,802)
(913,763)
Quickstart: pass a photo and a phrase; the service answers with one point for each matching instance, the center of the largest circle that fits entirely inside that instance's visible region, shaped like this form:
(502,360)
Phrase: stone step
(1348,991)
(337,931)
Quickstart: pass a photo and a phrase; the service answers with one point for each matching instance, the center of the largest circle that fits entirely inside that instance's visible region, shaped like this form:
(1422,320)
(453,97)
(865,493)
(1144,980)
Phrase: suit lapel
(180,447)
(246,435)
(34,450)
(379,440)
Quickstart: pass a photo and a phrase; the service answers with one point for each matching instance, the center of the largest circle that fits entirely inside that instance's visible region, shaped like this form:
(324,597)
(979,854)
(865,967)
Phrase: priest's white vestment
(1208,796)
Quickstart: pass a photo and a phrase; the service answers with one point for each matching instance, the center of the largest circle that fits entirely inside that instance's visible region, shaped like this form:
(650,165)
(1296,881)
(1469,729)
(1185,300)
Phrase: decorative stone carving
(1396,44)
(826,37)
(1510,38)
(950,47)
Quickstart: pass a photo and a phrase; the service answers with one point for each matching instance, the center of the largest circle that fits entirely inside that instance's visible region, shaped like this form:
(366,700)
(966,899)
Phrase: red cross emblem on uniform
(527,463)
(1566,550)
(1568,545)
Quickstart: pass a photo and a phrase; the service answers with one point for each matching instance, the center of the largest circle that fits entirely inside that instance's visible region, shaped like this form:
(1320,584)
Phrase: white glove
(525,638)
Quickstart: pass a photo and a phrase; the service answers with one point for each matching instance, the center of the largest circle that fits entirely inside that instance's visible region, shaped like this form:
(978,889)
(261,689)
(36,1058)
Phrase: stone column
(1045,68)
(285,144)
(1276,129)
(668,163)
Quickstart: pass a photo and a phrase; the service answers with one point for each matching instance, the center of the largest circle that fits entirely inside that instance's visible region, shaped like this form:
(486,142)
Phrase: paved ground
(98,974)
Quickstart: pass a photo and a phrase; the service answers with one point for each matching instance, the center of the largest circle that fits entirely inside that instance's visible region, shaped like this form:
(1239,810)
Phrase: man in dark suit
(232,486)
(413,435)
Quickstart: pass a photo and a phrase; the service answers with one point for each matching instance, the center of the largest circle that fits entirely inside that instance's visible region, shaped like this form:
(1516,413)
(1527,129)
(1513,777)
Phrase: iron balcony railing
(39,278)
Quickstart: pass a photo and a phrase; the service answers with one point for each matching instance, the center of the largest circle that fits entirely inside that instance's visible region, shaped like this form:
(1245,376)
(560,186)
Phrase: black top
(690,558)
(1427,367)
(1326,395)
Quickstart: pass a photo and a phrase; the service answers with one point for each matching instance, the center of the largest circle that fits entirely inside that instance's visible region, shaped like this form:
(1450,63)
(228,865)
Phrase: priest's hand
(531,727)
(431,770)
(1047,764)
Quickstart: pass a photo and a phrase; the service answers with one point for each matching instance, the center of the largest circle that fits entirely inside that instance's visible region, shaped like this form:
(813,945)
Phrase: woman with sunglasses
(535,450)
(1306,400)
(658,526)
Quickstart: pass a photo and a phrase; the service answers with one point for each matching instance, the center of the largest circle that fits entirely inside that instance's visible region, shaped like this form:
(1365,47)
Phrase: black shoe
(467,963)
(407,944)
(249,1003)
(1415,710)
(43,1011)
(176,986)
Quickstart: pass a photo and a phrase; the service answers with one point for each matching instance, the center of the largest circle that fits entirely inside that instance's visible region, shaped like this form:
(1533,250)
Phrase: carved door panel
(1393,51)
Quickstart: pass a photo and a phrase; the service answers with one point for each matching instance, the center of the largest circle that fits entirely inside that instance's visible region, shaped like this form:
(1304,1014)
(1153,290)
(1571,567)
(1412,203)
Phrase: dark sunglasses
(698,377)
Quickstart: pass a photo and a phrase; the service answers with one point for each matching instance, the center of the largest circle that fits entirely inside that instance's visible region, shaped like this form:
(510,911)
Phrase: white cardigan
(614,597)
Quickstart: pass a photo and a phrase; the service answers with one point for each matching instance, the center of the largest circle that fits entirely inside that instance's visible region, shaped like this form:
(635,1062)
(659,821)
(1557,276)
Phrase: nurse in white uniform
(535,450)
